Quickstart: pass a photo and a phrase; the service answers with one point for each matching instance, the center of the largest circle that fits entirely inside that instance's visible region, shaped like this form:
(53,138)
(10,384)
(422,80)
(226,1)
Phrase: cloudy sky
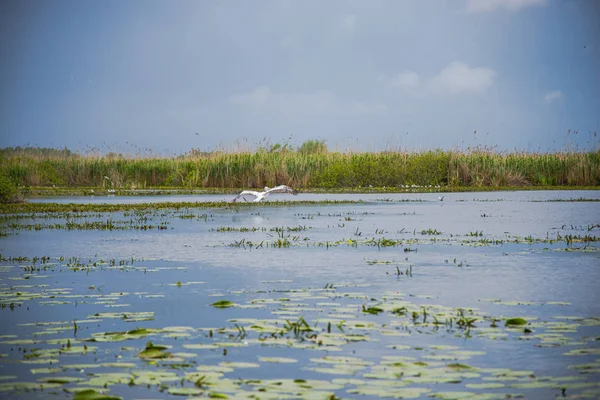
(362,75)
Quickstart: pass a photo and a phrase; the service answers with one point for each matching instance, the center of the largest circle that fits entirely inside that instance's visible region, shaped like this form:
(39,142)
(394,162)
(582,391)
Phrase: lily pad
(91,394)
(152,351)
(223,304)
(285,360)
(185,391)
(515,322)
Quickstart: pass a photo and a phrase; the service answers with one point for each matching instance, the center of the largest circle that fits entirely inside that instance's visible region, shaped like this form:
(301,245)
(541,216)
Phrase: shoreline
(168,191)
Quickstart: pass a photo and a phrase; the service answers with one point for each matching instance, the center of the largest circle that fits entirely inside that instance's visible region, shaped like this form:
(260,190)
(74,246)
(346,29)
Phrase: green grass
(303,169)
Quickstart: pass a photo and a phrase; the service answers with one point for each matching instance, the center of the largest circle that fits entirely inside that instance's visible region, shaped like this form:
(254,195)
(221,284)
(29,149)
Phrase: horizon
(514,75)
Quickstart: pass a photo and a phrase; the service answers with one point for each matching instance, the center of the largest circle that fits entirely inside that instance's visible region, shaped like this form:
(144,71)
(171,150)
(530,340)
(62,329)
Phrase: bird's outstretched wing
(245,193)
(282,189)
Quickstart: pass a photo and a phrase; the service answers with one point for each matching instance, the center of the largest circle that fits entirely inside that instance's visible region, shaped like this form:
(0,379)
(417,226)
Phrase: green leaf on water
(91,394)
(372,310)
(214,395)
(277,359)
(223,304)
(60,380)
(452,395)
(459,366)
(515,322)
(153,351)
(185,391)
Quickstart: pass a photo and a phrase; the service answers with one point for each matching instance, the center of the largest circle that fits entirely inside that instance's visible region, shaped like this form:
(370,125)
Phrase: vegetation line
(20,208)
(310,166)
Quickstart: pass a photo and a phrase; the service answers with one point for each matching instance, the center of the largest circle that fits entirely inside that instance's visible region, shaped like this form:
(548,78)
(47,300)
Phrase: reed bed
(475,168)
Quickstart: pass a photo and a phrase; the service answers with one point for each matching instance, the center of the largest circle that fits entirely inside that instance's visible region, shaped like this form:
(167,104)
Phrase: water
(436,280)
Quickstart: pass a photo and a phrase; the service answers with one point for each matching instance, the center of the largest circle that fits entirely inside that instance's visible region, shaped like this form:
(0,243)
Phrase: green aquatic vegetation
(583,352)
(108,225)
(61,379)
(388,171)
(285,360)
(223,304)
(299,328)
(458,366)
(372,310)
(185,391)
(238,229)
(572,200)
(121,336)
(152,351)
(432,348)
(24,208)
(214,395)
(27,386)
(126,316)
(515,322)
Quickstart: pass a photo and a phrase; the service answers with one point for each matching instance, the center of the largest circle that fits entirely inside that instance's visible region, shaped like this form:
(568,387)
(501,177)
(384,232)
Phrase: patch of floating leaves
(308,332)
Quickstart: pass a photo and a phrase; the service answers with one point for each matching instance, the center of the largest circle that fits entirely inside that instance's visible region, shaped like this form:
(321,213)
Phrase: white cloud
(406,79)
(459,78)
(553,96)
(509,5)
(349,22)
(316,103)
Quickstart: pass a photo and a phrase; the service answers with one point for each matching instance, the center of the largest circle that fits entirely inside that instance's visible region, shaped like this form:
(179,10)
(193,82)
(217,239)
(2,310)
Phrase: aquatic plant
(8,190)
(311,166)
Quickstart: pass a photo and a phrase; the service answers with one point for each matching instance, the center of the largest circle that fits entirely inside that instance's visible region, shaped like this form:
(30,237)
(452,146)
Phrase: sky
(168,76)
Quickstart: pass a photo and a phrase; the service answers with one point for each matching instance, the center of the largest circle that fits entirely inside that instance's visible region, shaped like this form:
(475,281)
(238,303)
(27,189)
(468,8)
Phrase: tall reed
(304,169)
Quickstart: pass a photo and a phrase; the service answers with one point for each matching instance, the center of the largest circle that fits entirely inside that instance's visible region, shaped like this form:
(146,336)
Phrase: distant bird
(441,198)
(197,134)
(262,196)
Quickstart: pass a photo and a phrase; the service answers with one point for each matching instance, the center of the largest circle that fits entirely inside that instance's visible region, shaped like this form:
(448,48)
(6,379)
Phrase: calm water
(405,296)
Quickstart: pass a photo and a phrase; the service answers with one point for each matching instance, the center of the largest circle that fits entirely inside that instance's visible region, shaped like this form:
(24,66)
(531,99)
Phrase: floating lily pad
(453,395)
(285,360)
(153,351)
(223,304)
(515,322)
(90,394)
(185,391)
(458,366)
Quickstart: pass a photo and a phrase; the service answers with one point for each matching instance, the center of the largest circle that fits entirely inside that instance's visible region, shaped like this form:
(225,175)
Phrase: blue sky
(130,76)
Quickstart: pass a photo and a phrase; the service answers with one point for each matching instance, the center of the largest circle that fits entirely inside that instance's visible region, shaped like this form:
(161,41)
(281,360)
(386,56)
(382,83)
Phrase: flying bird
(441,198)
(262,196)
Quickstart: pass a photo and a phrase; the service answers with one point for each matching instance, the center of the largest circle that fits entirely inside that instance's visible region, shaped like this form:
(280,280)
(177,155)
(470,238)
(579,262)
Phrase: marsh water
(481,295)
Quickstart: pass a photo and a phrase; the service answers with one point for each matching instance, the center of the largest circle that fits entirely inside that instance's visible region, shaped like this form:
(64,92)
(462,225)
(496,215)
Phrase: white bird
(262,196)
(441,198)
